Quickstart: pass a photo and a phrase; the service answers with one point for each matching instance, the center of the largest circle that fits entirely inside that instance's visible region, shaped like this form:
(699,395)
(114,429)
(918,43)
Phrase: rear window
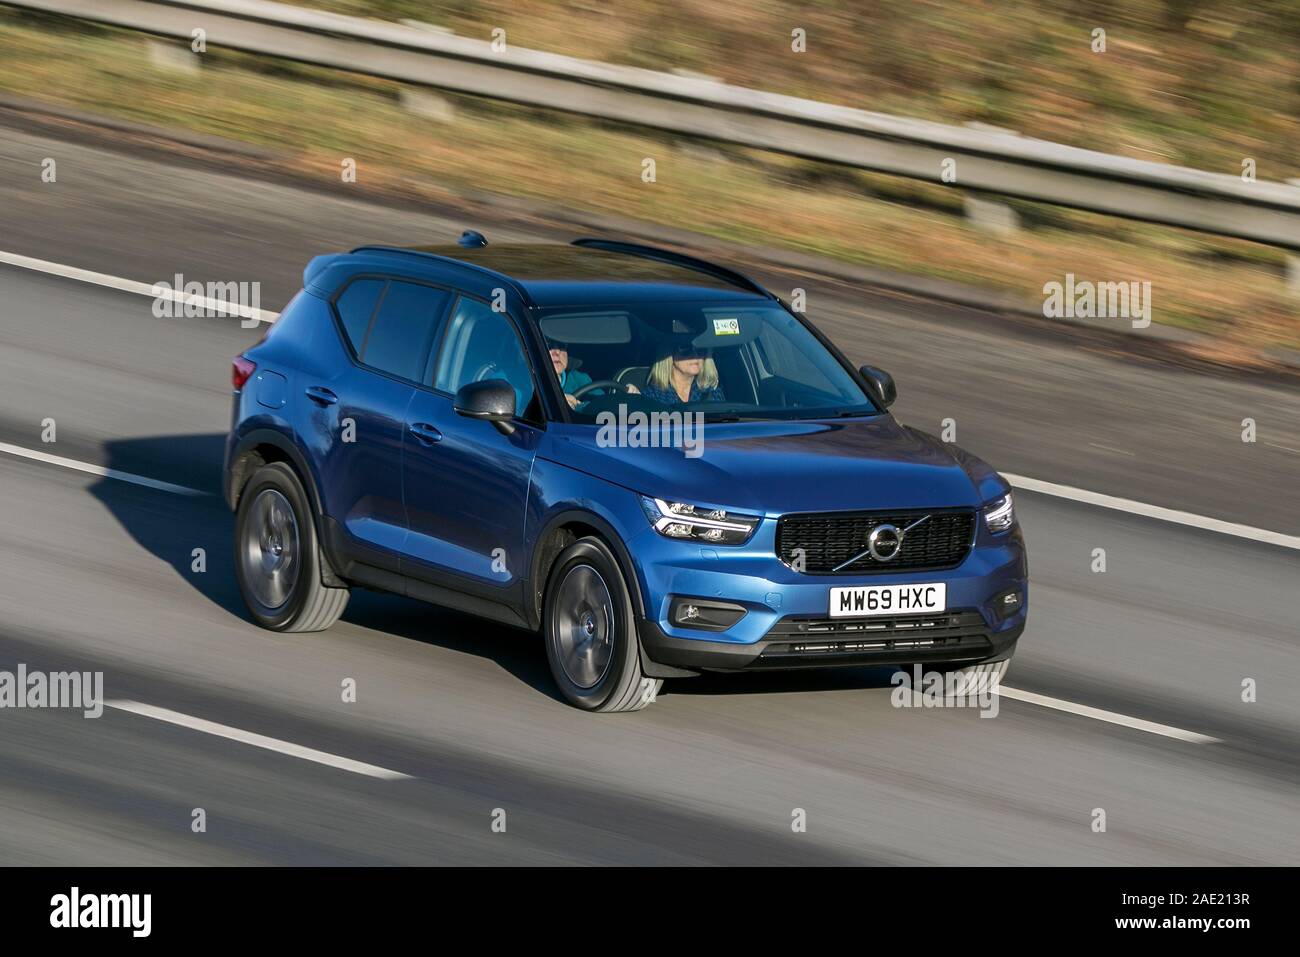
(356,306)
(401,333)
(404,328)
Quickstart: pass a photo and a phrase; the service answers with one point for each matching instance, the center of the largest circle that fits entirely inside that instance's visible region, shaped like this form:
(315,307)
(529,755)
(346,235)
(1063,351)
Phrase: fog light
(1007,603)
(705,615)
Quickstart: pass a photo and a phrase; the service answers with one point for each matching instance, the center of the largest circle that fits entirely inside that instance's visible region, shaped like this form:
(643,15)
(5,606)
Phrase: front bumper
(786,622)
(950,637)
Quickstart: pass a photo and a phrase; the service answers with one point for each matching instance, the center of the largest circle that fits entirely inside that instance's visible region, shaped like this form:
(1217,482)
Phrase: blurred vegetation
(312,118)
(1201,83)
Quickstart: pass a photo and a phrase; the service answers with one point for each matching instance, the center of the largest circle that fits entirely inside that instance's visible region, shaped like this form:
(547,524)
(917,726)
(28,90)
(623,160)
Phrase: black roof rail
(506,280)
(676,259)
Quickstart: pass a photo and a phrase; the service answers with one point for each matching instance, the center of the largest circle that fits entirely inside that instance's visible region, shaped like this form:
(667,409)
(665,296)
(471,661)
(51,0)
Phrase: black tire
(278,560)
(591,642)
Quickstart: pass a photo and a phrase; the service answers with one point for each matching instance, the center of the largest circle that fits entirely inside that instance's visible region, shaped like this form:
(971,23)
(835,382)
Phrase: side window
(404,329)
(482,344)
(356,306)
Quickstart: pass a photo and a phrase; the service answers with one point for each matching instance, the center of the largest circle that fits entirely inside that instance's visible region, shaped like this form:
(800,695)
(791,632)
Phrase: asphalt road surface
(96,574)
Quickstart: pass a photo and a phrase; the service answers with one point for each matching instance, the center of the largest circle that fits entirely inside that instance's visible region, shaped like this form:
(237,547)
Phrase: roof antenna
(471,239)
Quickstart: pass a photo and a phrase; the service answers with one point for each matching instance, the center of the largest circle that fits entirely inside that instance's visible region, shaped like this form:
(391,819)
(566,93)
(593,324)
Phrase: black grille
(827,540)
(947,636)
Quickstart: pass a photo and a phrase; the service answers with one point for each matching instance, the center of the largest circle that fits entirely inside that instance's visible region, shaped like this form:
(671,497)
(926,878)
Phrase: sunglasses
(691,352)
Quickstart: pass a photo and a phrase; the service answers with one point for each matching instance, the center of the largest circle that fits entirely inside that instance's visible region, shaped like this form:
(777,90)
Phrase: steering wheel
(582,390)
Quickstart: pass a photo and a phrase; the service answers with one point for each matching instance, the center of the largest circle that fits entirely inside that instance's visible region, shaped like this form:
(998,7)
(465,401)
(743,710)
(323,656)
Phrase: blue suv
(646,457)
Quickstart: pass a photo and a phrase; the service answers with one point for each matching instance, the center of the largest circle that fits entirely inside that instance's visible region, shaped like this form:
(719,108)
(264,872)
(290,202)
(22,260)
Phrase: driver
(571,380)
(687,374)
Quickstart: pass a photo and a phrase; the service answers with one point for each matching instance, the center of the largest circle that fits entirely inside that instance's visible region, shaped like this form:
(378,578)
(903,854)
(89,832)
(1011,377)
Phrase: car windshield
(727,361)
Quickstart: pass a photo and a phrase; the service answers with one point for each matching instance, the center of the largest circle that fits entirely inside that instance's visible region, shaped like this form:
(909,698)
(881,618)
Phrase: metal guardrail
(993,162)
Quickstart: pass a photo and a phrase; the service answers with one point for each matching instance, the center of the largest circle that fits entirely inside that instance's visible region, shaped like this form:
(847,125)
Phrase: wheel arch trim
(273,437)
(611,538)
(285,444)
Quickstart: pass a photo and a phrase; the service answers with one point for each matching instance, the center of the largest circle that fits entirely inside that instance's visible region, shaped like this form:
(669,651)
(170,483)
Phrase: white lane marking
(1098,714)
(139,288)
(97,470)
(1017,481)
(1153,511)
(256,740)
(1107,448)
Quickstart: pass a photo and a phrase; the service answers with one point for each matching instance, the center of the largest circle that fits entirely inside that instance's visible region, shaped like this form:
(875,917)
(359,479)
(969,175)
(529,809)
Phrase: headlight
(1001,515)
(713,525)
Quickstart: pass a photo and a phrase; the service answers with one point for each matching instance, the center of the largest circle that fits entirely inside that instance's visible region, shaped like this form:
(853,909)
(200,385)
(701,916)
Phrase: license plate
(856,601)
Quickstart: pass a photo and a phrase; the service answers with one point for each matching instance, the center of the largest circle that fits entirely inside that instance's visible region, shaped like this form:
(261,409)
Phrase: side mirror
(881,383)
(492,400)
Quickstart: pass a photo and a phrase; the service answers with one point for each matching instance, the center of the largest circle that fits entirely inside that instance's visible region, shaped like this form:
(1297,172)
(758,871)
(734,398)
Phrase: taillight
(240,369)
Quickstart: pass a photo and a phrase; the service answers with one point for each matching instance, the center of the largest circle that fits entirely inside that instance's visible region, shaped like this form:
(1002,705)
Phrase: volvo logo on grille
(885,542)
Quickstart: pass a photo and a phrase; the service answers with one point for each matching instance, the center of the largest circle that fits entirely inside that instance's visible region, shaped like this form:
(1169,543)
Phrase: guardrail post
(424,102)
(173,56)
(427,104)
(991,215)
(1293,263)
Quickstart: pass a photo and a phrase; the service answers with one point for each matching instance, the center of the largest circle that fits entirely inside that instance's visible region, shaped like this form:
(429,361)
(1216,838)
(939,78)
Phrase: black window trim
(374,314)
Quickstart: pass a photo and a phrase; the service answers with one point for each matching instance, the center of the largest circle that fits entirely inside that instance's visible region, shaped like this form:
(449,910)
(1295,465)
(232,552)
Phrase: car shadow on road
(803,681)
(172,526)
(517,652)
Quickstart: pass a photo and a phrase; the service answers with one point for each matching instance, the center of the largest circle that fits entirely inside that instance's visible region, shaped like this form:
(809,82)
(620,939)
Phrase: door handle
(426,433)
(318,393)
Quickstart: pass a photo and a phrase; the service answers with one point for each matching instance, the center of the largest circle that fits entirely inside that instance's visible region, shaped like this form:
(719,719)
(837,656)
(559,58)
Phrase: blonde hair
(661,374)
